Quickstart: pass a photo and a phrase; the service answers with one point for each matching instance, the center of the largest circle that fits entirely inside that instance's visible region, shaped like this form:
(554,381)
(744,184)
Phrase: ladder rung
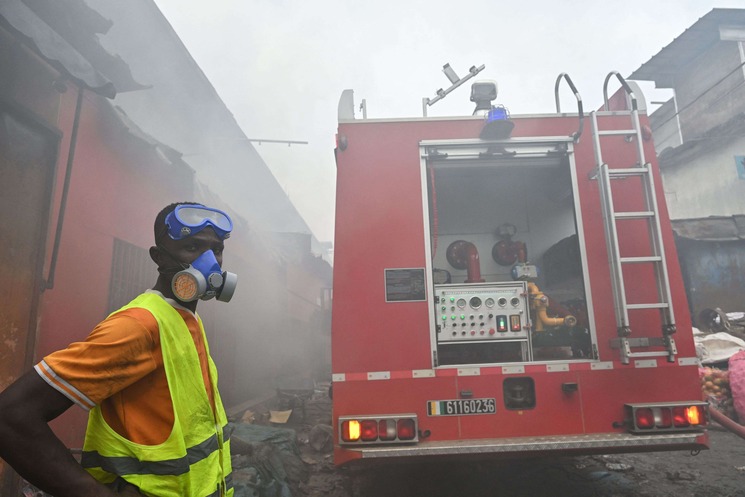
(658,305)
(634,215)
(637,260)
(609,132)
(629,171)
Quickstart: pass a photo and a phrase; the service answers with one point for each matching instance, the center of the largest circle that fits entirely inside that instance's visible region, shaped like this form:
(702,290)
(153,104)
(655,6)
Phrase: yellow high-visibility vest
(195,459)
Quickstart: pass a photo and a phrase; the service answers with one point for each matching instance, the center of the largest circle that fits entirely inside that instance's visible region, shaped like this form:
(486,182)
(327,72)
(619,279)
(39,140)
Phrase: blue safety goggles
(187,220)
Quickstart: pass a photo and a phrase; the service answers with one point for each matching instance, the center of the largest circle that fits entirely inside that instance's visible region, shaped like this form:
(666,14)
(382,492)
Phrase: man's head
(190,234)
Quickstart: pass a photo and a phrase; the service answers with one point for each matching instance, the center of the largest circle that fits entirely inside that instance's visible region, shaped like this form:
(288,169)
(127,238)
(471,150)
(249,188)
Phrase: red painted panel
(605,392)
(399,397)
(555,412)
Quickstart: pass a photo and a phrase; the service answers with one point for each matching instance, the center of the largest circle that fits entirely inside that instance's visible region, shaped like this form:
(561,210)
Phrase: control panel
(482,312)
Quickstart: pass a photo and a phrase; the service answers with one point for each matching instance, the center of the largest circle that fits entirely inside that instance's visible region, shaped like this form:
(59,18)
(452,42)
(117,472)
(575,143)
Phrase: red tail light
(369,430)
(679,416)
(644,418)
(667,416)
(406,429)
(378,429)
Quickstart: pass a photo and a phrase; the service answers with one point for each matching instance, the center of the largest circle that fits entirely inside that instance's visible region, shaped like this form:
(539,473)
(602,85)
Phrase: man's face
(188,249)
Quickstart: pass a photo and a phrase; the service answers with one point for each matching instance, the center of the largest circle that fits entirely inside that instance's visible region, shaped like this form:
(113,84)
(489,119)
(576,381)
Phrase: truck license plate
(461,407)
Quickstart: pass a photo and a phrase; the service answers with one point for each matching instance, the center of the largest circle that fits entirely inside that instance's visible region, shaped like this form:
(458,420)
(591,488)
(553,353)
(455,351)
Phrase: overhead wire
(710,88)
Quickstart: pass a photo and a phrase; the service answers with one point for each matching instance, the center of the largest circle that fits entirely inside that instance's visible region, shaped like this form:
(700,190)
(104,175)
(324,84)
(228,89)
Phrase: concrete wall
(703,180)
(711,89)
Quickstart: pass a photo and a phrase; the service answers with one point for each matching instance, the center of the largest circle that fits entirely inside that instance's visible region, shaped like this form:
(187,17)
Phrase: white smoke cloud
(280,66)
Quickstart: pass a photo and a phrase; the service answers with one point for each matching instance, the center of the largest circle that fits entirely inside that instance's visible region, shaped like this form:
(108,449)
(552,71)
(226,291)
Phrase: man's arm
(31,448)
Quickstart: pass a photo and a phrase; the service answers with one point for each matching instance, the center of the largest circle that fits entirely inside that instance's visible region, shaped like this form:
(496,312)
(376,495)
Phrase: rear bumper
(578,444)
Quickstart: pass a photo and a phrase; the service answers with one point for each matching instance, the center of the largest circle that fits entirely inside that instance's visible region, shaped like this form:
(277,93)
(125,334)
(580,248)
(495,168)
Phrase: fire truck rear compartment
(509,285)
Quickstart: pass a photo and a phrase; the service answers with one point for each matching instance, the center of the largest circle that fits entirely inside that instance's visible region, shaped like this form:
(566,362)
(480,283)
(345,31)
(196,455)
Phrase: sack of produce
(716,389)
(737,382)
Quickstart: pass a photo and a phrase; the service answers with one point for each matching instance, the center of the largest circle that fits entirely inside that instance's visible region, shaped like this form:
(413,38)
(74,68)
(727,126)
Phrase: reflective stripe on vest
(122,465)
(195,459)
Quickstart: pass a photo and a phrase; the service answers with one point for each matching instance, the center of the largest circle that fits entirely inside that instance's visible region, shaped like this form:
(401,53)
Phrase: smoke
(281,66)
(271,327)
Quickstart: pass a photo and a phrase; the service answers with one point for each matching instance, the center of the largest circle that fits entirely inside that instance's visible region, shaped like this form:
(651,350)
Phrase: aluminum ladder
(605,174)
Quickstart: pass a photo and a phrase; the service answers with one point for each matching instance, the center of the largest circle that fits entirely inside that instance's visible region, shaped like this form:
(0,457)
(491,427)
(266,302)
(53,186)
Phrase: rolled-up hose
(726,422)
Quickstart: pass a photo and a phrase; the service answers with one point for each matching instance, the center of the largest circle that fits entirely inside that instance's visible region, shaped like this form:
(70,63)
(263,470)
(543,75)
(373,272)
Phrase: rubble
(287,455)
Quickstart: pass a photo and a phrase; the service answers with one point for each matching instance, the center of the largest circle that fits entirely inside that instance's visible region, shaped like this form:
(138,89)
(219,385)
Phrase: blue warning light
(497,114)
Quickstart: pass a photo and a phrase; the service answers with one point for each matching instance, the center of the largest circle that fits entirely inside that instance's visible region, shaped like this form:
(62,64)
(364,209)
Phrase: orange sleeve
(117,353)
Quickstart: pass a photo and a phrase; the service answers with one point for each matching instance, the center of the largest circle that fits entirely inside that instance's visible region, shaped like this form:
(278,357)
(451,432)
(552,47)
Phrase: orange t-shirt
(120,367)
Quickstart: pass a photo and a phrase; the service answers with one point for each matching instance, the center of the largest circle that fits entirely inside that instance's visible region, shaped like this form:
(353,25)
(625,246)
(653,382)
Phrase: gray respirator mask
(204,279)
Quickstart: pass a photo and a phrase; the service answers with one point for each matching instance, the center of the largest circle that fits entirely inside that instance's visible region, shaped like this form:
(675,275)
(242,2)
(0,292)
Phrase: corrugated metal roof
(65,35)
(671,60)
(53,47)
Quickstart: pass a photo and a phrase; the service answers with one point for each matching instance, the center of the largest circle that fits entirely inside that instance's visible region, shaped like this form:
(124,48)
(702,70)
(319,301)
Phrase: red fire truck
(508,285)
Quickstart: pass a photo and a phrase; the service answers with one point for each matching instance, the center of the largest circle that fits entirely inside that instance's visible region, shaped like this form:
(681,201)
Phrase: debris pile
(266,461)
(284,448)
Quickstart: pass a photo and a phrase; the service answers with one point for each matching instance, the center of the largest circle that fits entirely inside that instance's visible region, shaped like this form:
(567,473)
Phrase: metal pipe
(726,422)
(474,264)
(540,303)
(625,86)
(580,110)
(288,142)
(49,283)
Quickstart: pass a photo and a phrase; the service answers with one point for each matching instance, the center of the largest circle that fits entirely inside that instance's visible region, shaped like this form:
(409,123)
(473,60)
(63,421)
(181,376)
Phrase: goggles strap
(168,269)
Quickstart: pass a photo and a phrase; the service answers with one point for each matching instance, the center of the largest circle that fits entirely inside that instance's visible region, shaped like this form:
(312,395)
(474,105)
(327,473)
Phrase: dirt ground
(717,472)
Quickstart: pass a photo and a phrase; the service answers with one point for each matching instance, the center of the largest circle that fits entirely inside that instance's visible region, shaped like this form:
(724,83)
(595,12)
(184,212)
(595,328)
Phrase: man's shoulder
(139,314)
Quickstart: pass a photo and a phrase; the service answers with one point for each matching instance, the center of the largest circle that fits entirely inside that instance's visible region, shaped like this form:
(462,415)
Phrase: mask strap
(180,265)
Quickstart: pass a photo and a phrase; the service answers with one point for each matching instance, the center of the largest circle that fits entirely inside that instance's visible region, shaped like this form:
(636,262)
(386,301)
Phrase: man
(156,422)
